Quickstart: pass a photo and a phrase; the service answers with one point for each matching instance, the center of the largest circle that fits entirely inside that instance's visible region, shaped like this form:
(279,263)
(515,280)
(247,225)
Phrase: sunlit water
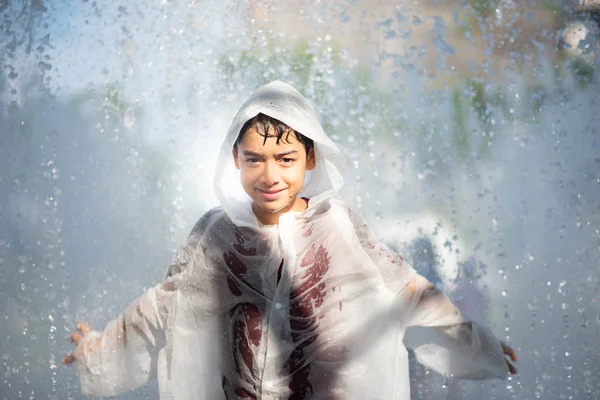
(111,118)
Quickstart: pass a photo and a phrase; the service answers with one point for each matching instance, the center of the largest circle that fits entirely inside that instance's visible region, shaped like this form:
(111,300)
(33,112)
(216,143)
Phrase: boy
(282,292)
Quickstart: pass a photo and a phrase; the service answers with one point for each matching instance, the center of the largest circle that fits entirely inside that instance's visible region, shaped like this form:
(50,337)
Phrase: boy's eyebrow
(286,153)
(249,153)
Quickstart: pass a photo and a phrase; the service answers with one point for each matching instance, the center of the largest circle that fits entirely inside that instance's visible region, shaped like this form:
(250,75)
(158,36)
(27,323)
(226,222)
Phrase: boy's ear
(311,162)
(234,152)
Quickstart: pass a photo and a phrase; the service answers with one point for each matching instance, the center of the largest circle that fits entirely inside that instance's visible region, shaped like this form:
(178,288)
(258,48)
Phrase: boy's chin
(272,207)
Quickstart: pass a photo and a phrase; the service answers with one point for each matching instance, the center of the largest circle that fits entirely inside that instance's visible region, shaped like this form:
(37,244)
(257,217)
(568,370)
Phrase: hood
(281,101)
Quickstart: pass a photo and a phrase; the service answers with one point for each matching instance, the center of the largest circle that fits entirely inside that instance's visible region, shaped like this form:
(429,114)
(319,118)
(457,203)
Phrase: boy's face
(272,173)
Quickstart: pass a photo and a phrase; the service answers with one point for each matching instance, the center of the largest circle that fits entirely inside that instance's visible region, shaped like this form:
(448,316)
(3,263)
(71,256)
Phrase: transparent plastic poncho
(312,308)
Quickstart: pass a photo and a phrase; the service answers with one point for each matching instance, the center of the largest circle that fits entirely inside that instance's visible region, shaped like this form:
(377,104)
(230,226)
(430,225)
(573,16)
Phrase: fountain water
(467,135)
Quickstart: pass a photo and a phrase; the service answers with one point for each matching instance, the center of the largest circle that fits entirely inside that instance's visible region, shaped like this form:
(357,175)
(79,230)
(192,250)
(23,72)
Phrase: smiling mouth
(270,194)
(270,191)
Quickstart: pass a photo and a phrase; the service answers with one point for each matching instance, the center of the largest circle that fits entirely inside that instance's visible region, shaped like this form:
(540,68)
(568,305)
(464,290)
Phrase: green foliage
(537,96)
(461,131)
(111,100)
(583,71)
(468,22)
(114,100)
(559,9)
(484,7)
(297,61)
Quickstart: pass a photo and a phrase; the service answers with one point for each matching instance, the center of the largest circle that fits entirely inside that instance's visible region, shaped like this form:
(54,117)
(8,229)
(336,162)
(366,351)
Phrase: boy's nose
(270,175)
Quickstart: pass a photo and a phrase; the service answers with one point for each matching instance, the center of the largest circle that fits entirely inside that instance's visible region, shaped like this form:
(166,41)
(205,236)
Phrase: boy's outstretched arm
(441,337)
(125,355)
(445,341)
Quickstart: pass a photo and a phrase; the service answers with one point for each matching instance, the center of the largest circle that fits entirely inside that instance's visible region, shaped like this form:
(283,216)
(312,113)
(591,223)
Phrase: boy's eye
(252,160)
(287,160)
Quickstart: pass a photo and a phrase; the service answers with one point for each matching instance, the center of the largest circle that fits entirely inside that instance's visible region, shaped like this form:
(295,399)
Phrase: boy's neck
(272,218)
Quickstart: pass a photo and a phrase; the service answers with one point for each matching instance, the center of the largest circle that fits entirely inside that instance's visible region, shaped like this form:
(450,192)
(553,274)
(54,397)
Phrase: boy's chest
(308,260)
(308,269)
(307,294)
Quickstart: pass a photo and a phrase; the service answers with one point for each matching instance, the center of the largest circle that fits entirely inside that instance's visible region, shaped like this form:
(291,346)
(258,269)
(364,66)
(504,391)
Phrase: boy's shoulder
(334,210)
(349,214)
(339,203)
(213,216)
(341,207)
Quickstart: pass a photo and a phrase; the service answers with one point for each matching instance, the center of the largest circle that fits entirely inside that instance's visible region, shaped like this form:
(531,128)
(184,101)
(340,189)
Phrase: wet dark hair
(262,123)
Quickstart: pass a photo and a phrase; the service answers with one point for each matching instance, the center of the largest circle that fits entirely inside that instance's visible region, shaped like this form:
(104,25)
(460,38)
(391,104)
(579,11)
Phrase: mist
(471,131)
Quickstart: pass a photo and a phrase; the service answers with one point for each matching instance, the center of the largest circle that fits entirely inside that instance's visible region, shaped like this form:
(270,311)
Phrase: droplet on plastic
(129,118)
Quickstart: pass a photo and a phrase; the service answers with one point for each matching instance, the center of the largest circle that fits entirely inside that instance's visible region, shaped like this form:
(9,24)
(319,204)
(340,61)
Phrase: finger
(75,338)
(511,368)
(513,355)
(68,359)
(83,328)
(509,351)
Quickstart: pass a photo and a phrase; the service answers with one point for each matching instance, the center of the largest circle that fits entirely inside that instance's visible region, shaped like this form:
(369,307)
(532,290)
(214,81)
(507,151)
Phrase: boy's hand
(512,356)
(75,339)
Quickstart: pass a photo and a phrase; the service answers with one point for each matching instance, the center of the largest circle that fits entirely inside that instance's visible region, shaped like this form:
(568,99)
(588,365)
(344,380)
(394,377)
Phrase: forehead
(255,141)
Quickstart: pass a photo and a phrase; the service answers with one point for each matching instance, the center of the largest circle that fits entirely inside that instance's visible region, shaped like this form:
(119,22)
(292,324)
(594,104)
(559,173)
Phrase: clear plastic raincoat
(314,307)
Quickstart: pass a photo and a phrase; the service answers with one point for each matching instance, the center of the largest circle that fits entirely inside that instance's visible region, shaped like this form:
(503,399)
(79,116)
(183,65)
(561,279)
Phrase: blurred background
(471,130)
